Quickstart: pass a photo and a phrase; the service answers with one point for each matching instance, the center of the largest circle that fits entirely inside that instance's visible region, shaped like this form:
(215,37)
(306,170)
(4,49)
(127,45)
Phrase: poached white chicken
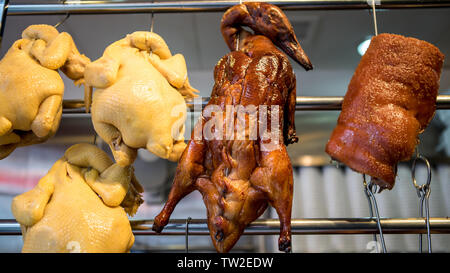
(31,89)
(138,102)
(80,205)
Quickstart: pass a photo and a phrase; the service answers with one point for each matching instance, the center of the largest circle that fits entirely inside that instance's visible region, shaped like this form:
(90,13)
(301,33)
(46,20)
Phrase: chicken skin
(239,176)
(80,205)
(31,89)
(390,101)
(138,102)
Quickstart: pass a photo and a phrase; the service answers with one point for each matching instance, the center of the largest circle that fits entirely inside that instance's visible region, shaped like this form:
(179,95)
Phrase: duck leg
(188,170)
(274,177)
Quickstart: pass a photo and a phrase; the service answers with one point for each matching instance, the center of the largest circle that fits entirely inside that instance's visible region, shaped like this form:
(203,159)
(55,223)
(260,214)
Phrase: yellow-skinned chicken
(138,102)
(80,205)
(31,89)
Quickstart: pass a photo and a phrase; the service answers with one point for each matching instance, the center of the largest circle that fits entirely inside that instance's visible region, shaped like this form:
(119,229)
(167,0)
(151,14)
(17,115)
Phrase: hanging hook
(370,189)
(188,220)
(335,163)
(374,18)
(423,192)
(151,25)
(65,18)
(152,20)
(370,208)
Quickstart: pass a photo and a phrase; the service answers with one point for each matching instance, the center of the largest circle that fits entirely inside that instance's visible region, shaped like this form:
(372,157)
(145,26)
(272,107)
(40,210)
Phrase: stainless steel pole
(303,104)
(272,226)
(3,11)
(97,7)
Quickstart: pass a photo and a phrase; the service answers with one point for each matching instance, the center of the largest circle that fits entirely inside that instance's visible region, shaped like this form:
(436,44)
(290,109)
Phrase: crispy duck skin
(239,178)
(390,101)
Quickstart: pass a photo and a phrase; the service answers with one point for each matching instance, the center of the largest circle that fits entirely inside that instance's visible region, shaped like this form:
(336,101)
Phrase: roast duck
(81,205)
(31,90)
(139,97)
(238,177)
(390,100)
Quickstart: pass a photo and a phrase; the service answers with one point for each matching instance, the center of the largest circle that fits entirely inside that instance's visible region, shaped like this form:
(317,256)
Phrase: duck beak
(293,49)
(264,19)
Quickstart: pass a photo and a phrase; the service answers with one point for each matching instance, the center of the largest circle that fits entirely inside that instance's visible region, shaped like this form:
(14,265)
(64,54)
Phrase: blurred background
(321,190)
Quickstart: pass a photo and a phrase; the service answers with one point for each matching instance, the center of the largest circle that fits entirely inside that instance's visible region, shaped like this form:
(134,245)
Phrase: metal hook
(153,16)
(65,18)
(413,174)
(151,26)
(374,18)
(423,192)
(370,189)
(335,163)
(370,206)
(188,220)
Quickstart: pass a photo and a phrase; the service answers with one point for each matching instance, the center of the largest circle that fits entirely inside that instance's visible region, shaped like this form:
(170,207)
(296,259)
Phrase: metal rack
(258,227)
(103,7)
(272,226)
(302,104)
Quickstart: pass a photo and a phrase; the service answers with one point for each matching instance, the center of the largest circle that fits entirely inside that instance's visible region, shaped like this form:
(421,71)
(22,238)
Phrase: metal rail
(303,104)
(272,226)
(105,7)
(335,103)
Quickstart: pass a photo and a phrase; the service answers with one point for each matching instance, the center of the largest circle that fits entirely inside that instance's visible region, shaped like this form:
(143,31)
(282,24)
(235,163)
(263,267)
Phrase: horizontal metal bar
(302,104)
(335,103)
(97,7)
(272,226)
(318,103)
